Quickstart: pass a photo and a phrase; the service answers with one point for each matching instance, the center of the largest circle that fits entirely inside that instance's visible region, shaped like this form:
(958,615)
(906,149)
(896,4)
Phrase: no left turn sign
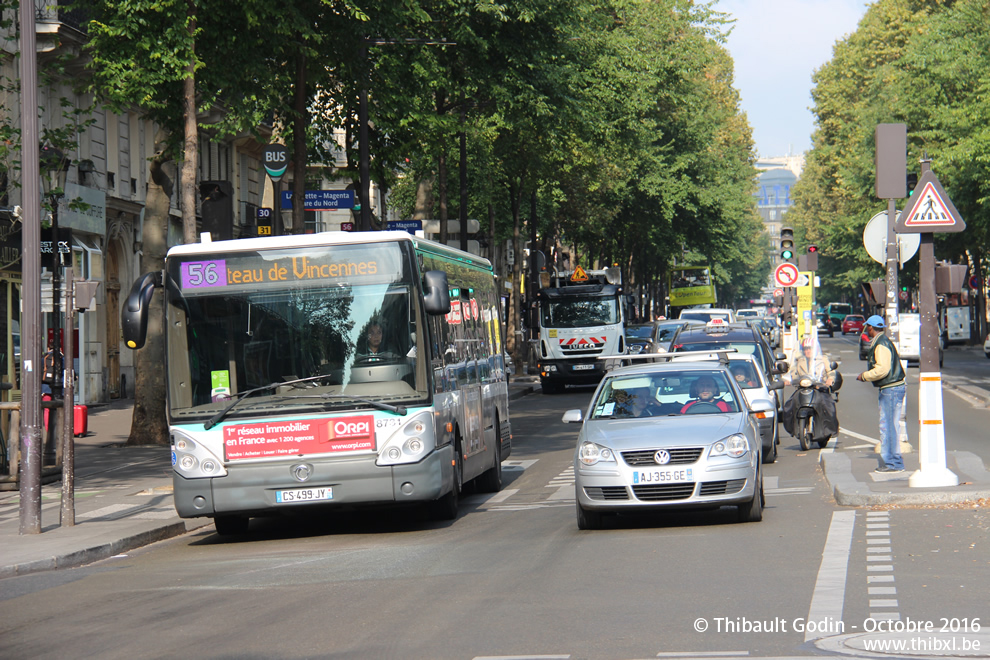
(785,275)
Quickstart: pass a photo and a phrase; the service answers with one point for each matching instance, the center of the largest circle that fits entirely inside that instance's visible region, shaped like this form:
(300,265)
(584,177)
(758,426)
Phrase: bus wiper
(398,410)
(216,419)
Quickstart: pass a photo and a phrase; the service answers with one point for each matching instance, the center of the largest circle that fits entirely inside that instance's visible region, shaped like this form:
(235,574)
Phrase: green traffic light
(786,254)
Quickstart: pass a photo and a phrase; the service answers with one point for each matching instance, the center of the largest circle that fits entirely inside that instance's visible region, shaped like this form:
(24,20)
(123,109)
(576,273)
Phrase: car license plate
(583,367)
(303,495)
(662,476)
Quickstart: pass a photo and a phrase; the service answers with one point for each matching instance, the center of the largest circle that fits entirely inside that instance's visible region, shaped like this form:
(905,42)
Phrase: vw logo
(301,471)
(662,457)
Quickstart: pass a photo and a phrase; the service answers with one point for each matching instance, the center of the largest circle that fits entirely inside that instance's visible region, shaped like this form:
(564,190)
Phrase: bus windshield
(343,317)
(691,286)
(579,312)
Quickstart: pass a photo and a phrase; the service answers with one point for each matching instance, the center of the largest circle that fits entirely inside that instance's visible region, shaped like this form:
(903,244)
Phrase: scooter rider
(811,363)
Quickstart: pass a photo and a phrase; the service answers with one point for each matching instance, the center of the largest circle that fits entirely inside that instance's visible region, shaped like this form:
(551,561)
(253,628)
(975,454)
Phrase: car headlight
(192,460)
(590,453)
(412,442)
(735,445)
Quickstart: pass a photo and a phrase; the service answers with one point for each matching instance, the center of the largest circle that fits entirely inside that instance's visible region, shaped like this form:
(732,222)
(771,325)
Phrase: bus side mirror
(134,312)
(436,292)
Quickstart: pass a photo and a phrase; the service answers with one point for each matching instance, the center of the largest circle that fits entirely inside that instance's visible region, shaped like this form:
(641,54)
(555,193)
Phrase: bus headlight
(192,460)
(410,443)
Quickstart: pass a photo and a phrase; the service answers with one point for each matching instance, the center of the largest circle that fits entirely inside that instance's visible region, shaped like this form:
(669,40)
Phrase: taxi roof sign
(579,275)
(717,324)
(929,210)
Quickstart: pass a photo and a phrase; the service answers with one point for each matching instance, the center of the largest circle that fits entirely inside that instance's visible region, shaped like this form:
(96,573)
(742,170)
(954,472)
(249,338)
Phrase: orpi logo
(352,427)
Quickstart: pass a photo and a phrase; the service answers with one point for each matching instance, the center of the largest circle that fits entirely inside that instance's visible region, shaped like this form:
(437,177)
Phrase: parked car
(853,323)
(657,437)
(751,313)
(909,339)
(986,346)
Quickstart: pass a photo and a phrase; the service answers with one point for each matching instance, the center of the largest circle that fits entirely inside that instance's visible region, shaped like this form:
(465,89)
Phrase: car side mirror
(779,356)
(782,367)
(573,416)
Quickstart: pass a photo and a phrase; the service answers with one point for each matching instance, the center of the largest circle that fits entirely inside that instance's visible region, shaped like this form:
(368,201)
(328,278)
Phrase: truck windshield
(343,318)
(579,312)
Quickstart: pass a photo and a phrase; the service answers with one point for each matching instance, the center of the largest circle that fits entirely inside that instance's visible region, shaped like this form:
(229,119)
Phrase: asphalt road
(514,577)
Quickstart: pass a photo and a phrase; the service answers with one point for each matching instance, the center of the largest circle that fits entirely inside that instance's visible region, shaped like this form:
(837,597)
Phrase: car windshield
(639,331)
(671,392)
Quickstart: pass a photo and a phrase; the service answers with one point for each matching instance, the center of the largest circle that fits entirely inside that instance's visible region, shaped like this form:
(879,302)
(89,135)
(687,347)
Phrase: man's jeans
(891,405)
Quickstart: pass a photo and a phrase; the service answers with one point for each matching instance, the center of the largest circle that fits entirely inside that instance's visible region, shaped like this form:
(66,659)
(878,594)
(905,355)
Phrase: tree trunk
(190,160)
(442,192)
(299,122)
(148,423)
(517,339)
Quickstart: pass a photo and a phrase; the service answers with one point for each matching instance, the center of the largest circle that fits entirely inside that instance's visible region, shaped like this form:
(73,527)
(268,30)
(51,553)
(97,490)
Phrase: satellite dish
(875,240)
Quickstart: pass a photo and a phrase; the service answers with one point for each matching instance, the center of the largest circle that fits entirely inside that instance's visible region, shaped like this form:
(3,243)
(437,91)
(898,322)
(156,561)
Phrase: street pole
(30,473)
(933,471)
(67,512)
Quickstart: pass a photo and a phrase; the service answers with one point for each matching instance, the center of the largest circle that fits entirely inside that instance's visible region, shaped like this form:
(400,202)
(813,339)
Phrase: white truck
(909,339)
(580,320)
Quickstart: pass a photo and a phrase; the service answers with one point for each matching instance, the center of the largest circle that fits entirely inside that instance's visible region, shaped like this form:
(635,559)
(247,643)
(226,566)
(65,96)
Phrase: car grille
(721,487)
(607,493)
(678,456)
(664,492)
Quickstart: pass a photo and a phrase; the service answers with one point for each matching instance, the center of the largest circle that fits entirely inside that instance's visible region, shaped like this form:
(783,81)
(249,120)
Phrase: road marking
(521,657)
(501,497)
(702,654)
(518,465)
(859,436)
(830,587)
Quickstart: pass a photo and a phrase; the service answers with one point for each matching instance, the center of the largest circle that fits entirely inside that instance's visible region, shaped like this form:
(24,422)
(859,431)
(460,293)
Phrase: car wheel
(587,519)
(490,481)
(231,525)
(771,455)
(446,507)
(752,511)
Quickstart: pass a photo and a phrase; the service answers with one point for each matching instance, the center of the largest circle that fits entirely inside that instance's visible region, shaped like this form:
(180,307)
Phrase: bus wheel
(491,480)
(445,508)
(231,525)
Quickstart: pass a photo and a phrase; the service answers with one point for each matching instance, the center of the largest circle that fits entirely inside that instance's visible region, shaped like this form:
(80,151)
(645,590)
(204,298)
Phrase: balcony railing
(49,11)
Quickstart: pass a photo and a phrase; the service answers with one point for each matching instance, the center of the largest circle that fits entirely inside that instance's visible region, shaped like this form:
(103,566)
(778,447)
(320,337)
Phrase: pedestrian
(886,373)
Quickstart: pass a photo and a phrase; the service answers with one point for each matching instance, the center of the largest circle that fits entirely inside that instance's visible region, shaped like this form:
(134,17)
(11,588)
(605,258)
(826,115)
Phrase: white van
(909,339)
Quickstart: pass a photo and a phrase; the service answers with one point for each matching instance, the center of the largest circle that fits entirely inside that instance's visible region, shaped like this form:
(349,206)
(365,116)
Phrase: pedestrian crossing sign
(929,210)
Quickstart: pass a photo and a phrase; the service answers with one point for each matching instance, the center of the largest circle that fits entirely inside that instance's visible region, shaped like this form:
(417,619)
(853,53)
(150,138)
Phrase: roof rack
(721,353)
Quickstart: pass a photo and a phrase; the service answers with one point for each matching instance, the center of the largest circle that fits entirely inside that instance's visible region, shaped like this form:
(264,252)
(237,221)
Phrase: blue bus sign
(411,226)
(322,200)
(276,160)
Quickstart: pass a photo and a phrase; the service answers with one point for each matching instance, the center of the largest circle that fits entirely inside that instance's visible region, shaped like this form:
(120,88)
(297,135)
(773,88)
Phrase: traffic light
(912,183)
(812,248)
(811,260)
(787,244)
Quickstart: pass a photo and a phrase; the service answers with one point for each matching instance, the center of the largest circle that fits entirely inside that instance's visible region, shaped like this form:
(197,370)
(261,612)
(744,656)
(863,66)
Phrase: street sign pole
(931,434)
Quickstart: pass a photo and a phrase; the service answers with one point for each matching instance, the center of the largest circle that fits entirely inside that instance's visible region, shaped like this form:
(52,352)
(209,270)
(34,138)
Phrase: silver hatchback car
(675,435)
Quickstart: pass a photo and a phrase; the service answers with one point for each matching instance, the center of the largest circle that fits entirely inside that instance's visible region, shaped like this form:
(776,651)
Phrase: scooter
(811,410)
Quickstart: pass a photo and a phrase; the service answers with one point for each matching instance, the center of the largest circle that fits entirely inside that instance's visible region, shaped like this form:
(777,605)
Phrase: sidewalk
(848,467)
(123,499)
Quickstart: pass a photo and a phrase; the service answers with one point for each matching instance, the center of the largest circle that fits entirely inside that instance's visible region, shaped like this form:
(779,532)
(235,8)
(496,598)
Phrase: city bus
(329,370)
(690,285)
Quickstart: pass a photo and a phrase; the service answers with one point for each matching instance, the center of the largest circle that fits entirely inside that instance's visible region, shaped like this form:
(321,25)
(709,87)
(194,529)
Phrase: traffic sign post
(276,162)
(929,210)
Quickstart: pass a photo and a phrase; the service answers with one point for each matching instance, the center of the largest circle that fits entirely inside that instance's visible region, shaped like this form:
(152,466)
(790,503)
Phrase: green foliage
(922,63)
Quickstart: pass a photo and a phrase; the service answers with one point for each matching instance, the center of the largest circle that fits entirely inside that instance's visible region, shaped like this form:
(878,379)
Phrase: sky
(777,45)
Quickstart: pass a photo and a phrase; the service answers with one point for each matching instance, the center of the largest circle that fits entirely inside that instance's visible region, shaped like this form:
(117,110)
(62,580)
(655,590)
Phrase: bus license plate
(303,495)
(662,476)
(583,367)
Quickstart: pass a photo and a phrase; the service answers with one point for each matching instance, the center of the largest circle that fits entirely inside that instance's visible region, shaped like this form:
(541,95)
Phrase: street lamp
(55,169)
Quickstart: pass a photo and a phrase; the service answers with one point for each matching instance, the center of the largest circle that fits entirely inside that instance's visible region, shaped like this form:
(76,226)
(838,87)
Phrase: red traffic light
(812,248)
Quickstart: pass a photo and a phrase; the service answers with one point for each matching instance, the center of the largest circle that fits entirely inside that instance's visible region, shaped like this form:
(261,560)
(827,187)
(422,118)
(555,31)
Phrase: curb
(102,551)
(848,491)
